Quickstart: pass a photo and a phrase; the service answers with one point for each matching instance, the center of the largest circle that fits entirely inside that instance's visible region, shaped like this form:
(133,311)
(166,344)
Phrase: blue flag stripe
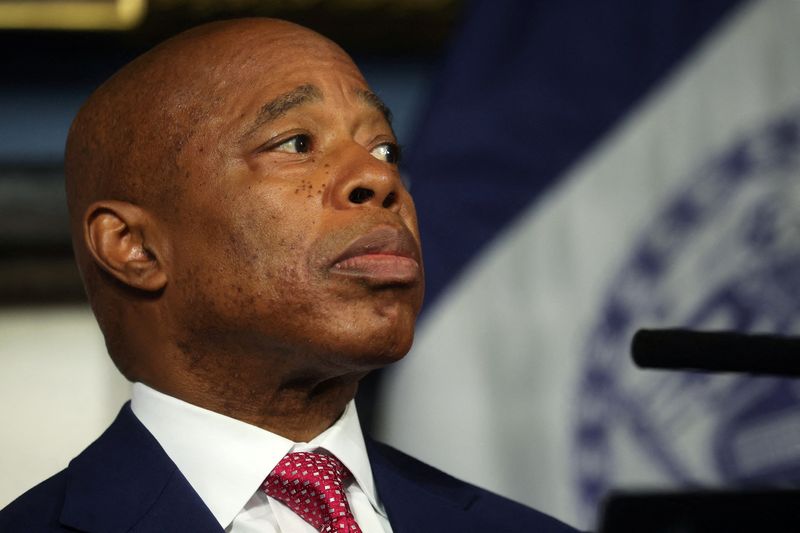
(527,88)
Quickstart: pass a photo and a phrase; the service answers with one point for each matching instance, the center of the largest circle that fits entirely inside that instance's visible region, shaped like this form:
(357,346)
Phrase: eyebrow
(373,100)
(279,106)
(303,94)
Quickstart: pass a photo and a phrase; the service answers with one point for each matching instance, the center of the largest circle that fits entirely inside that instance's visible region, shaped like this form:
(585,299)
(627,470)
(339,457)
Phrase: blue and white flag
(587,169)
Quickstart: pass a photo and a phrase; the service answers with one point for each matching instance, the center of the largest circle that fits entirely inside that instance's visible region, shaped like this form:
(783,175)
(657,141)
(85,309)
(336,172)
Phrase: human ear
(123,239)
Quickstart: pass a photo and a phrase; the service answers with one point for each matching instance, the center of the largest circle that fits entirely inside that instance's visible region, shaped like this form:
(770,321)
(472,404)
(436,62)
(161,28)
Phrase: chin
(375,342)
(382,348)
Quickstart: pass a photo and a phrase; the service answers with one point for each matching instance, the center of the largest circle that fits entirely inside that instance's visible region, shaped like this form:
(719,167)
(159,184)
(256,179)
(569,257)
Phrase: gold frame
(71,14)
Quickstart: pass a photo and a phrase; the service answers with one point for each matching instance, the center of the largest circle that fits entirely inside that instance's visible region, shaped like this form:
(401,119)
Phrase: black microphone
(716,351)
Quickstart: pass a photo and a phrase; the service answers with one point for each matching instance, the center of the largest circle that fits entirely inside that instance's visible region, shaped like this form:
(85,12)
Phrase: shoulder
(480,507)
(37,509)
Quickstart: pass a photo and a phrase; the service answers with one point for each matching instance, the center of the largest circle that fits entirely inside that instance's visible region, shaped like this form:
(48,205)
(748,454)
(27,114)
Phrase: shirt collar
(225,460)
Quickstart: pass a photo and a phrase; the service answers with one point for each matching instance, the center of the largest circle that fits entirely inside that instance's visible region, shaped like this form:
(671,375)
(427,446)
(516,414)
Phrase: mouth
(386,255)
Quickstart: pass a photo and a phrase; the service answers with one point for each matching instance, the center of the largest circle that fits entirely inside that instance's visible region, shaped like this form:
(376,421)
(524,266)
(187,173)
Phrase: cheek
(268,246)
(247,250)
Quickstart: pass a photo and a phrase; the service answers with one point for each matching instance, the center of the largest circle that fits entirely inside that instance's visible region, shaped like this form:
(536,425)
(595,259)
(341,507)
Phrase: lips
(384,255)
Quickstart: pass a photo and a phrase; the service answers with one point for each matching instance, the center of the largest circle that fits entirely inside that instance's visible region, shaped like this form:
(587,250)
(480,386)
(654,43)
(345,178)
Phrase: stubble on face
(252,277)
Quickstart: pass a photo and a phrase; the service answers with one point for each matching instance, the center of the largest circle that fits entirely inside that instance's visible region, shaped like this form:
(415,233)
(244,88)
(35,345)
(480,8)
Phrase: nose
(363,180)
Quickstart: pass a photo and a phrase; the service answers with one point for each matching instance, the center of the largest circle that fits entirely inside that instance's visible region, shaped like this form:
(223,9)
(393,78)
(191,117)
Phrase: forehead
(258,70)
(281,60)
(241,78)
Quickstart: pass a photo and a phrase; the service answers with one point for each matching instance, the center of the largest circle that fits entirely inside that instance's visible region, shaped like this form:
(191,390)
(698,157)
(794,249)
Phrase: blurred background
(581,170)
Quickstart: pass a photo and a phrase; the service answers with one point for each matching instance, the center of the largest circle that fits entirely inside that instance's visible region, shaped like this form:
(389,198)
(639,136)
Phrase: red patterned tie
(312,485)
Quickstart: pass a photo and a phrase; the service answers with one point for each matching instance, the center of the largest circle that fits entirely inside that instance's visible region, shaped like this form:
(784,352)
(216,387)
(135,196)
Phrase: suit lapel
(125,482)
(417,497)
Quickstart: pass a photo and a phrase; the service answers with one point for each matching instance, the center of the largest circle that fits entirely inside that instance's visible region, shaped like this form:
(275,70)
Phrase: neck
(298,405)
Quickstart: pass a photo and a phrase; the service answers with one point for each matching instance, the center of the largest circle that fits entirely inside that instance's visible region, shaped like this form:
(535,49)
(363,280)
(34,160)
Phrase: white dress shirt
(226,460)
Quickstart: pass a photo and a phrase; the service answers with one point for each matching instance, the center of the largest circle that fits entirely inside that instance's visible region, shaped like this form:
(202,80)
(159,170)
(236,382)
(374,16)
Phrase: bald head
(237,212)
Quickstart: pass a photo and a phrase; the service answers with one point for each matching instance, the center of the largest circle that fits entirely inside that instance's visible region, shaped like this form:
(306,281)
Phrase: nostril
(390,199)
(359,195)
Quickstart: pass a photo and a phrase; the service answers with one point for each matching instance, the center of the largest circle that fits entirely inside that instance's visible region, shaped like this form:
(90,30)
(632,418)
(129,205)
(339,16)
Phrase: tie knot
(310,466)
(312,485)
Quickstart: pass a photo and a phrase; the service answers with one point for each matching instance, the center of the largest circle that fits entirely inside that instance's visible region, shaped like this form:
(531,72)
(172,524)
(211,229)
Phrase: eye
(388,152)
(299,144)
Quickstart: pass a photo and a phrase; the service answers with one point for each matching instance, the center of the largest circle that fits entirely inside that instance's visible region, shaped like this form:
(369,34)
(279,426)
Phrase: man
(250,254)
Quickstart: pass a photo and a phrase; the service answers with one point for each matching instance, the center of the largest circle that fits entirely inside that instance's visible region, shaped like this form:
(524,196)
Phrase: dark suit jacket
(125,482)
